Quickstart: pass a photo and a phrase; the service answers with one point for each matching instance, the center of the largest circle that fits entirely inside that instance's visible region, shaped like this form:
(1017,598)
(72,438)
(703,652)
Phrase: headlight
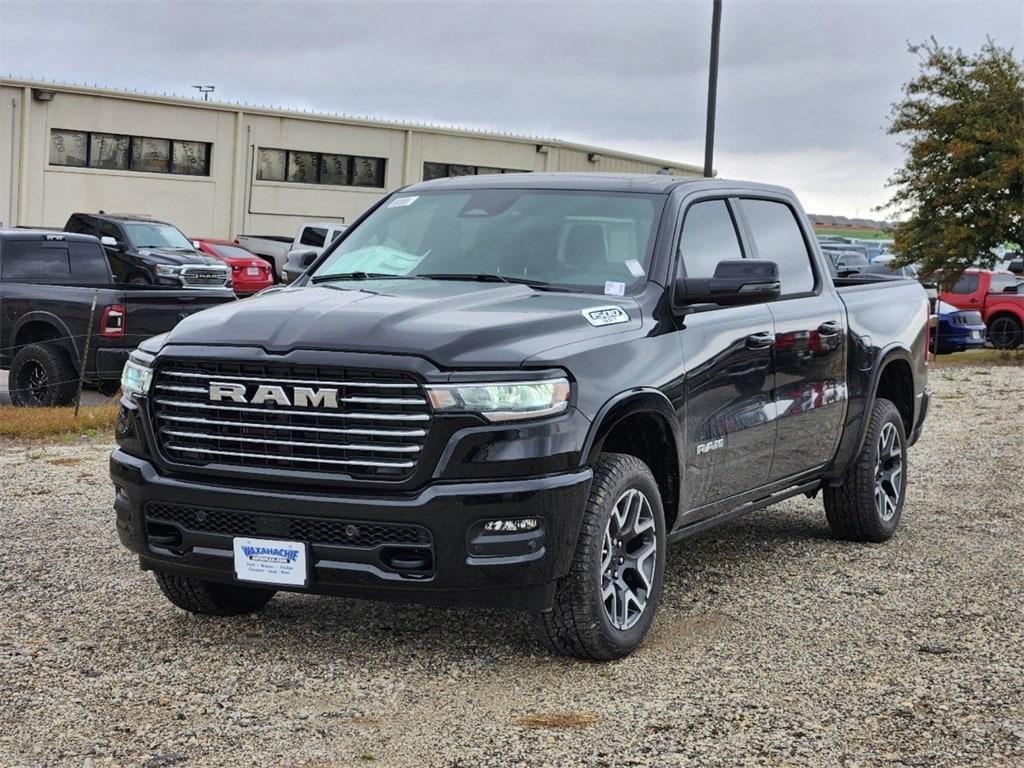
(137,374)
(167,270)
(504,401)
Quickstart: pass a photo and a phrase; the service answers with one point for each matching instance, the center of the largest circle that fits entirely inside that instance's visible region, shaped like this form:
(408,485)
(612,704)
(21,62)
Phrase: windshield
(583,241)
(147,235)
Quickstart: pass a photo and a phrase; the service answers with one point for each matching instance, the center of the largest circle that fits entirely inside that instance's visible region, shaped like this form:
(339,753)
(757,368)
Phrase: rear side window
(81,226)
(777,238)
(1003,284)
(314,236)
(36,261)
(88,264)
(966,284)
(709,236)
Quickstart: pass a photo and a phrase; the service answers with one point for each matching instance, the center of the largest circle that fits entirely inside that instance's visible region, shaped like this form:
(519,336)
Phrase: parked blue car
(957,330)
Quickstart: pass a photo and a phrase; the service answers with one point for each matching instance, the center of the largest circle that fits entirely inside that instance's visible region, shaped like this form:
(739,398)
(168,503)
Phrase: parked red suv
(998,296)
(249,273)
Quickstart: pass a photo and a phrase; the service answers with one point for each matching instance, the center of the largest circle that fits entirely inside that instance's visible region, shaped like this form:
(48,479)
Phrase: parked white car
(312,235)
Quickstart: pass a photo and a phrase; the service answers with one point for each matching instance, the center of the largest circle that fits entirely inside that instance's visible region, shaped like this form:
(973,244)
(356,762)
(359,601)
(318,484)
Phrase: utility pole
(709,133)
(206,90)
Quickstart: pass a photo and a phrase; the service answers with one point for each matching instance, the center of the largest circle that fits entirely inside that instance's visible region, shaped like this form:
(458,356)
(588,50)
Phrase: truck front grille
(212,276)
(343,533)
(363,424)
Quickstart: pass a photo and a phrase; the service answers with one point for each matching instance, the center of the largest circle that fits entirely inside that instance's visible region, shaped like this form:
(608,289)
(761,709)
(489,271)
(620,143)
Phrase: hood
(451,323)
(170,256)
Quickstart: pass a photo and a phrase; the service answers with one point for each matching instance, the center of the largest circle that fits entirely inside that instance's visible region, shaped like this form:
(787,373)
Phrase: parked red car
(249,273)
(997,295)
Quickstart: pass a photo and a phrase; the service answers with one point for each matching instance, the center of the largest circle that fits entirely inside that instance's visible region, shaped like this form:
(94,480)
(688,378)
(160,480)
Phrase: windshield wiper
(360,276)
(492,278)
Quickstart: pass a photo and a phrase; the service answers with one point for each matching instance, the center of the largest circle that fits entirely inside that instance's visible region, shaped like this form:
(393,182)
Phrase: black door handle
(829,328)
(760,340)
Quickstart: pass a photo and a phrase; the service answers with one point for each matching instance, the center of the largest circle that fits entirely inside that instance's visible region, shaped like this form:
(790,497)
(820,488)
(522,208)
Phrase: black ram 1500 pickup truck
(517,390)
(48,281)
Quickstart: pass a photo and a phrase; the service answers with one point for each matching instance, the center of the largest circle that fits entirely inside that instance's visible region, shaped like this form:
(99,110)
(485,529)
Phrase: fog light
(512,526)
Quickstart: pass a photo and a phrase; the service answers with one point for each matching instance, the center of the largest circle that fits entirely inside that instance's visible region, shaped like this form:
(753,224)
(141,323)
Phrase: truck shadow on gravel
(317,629)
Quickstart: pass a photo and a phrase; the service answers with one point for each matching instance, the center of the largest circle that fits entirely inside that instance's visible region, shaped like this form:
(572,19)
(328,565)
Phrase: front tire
(42,375)
(604,607)
(209,598)
(869,503)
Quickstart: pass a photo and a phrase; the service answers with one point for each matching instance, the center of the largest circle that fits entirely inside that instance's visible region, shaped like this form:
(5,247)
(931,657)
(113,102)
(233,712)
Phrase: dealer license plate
(975,334)
(252,271)
(270,561)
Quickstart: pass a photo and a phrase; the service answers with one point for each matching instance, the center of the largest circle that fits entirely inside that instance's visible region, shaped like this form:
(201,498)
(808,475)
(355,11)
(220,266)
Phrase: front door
(727,352)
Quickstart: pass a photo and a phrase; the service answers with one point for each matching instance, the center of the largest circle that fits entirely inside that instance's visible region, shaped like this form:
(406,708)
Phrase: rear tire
(605,605)
(209,598)
(869,503)
(42,375)
(1005,332)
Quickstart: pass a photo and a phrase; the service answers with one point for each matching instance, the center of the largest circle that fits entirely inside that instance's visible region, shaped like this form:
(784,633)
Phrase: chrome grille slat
(257,409)
(349,462)
(374,424)
(293,428)
(271,379)
(278,441)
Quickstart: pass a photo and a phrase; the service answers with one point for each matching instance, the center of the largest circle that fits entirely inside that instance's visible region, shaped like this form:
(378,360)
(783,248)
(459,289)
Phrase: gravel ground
(774,645)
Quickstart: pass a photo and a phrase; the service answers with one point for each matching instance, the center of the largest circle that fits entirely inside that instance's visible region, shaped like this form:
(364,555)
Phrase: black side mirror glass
(735,282)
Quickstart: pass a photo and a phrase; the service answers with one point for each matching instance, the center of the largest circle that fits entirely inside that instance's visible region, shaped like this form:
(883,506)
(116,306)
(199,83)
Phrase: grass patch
(35,423)
(996,357)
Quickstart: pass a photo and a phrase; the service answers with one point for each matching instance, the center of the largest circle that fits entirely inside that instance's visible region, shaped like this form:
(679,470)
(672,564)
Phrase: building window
(146,154)
(333,170)
(443,170)
(151,155)
(107,150)
(271,164)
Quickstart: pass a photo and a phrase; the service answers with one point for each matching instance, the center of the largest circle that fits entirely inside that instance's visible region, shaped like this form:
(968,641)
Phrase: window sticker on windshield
(612,288)
(634,268)
(402,202)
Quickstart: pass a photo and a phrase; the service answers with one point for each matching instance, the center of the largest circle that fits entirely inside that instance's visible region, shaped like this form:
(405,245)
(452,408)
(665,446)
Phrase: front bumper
(451,563)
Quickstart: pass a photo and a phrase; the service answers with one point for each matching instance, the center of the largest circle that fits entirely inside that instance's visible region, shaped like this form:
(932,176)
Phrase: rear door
(728,356)
(810,340)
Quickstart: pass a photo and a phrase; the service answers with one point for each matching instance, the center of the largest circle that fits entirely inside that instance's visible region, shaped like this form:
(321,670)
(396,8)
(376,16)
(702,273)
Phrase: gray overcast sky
(804,89)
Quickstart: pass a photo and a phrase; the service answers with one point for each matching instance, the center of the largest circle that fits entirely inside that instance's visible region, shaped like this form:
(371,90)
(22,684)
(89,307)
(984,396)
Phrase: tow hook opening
(163,536)
(409,562)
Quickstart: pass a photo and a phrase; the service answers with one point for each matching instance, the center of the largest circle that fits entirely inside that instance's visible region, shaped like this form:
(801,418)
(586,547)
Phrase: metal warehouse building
(221,169)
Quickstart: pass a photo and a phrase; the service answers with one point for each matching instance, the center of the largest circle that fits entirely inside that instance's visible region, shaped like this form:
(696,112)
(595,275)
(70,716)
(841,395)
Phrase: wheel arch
(39,326)
(642,423)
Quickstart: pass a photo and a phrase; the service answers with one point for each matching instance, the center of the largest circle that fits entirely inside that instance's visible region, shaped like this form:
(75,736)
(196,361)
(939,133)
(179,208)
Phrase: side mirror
(737,281)
(109,242)
(298,262)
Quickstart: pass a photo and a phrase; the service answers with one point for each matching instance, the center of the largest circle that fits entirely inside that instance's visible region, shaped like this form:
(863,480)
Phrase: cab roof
(46,235)
(650,183)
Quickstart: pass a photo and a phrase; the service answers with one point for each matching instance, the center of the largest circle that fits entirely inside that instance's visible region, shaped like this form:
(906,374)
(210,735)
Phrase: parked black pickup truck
(47,284)
(144,251)
(516,390)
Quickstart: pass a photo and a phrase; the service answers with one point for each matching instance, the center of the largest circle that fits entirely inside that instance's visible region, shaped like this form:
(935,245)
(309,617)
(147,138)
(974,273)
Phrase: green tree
(961,189)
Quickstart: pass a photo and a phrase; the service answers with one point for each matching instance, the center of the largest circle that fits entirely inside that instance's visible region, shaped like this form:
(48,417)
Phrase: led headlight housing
(137,374)
(167,270)
(503,401)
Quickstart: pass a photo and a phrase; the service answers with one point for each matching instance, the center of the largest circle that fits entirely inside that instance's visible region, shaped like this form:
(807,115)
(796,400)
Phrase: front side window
(594,242)
(966,284)
(709,236)
(315,237)
(144,234)
(777,238)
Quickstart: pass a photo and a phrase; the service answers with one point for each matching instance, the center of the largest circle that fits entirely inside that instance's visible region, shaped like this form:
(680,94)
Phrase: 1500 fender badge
(598,316)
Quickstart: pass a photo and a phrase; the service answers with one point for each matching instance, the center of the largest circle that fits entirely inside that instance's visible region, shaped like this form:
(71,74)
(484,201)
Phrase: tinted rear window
(230,251)
(35,260)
